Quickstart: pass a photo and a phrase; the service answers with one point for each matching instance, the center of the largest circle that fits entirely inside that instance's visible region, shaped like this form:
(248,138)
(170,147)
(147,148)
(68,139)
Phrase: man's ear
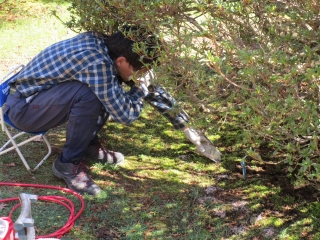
(120,60)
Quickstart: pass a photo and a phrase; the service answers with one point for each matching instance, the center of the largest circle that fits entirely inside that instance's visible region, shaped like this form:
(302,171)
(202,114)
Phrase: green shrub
(259,58)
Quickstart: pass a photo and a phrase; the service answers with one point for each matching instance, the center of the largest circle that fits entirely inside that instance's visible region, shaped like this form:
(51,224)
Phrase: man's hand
(142,82)
(147,78)
(203,145)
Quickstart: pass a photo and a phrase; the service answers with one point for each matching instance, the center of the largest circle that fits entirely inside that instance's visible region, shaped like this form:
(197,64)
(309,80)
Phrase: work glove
(147,78)
(203,145)
(143,82)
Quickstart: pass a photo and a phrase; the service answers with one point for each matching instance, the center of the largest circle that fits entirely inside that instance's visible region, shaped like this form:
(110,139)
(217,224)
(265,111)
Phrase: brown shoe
(76,176)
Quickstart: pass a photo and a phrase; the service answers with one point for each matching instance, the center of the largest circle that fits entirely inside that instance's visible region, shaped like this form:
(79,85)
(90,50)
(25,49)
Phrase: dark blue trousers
(72,102)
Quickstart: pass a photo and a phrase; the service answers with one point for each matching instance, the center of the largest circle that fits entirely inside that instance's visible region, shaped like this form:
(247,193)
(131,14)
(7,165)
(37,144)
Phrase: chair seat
(7,120)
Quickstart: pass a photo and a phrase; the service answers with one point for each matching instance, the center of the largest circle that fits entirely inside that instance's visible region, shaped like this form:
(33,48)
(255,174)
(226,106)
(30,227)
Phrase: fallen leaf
(10,165)
(2,206)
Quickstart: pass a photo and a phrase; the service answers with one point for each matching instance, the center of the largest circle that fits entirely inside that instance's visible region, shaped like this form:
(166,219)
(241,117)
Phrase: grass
(27,27)
(165,190)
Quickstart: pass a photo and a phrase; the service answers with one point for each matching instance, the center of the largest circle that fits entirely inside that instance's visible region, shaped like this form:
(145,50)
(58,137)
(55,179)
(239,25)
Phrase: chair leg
(2,151)
(48,154)
(16,147)
(20,143)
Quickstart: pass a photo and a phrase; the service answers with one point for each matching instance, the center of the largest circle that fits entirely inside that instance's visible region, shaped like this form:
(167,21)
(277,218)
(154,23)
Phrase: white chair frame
(12,137)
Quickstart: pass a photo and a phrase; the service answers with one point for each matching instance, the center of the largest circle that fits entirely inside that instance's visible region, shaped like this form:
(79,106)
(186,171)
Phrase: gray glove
(203,144)
(147,78)
(143,81)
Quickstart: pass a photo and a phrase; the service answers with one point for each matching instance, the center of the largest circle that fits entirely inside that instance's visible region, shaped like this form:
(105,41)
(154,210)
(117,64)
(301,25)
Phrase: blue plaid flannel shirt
(84,58)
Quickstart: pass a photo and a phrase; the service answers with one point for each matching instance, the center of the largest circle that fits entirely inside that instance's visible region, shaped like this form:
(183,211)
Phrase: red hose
(57,199)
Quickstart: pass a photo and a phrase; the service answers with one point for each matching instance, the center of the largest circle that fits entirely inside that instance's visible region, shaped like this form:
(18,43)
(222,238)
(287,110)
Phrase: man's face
(125,70)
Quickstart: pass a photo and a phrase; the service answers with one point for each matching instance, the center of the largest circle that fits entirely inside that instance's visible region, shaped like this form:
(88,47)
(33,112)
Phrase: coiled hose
(57,199)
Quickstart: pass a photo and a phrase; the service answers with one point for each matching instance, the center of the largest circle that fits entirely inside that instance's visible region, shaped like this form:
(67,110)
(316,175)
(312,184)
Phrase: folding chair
(4,120)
